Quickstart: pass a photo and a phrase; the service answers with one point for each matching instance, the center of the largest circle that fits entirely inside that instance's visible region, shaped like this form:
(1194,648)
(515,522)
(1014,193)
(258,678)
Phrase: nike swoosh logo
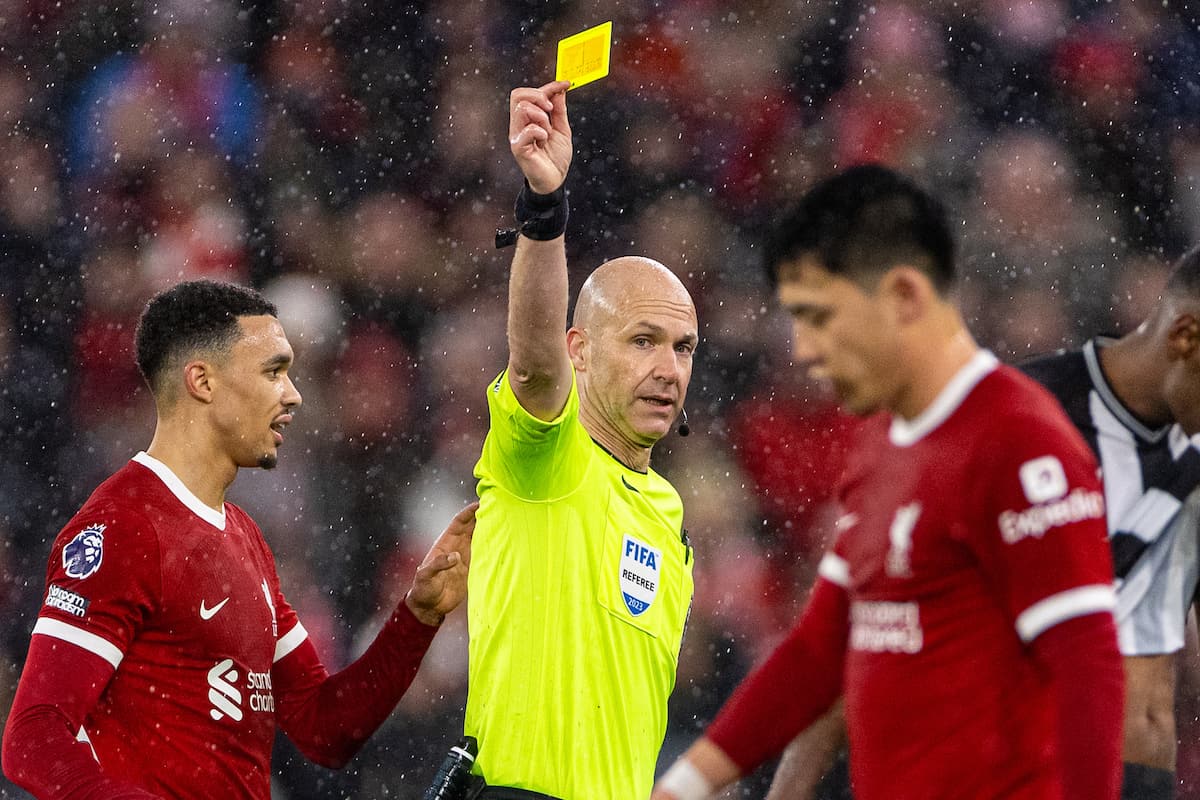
(209,613)
(629,485)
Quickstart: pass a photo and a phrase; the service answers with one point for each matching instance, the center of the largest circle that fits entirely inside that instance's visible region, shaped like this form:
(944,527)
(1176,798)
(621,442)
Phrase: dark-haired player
(165,654)
(965,610)
(1136,400)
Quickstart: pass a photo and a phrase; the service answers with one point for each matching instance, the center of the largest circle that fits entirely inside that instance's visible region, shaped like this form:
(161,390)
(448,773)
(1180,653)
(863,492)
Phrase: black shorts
(1139,782)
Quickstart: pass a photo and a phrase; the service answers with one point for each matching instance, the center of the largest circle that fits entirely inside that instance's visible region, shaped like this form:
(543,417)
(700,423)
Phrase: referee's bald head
(619,286)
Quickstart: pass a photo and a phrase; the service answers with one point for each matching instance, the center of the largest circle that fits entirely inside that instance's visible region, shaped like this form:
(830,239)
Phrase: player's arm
(73,655)
(540,140)
(791,689)
(1086,677)
(329,717)
(1043,544)
(60,684)
(809,757)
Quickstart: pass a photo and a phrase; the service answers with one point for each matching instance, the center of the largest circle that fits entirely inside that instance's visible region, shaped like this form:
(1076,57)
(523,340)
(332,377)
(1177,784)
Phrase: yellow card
(583,58)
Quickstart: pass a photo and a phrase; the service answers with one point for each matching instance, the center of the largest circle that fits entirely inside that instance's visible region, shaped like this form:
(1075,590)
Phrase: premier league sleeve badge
(83,554)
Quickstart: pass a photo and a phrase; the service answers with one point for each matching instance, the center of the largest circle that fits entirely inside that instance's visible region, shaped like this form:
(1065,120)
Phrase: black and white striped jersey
(1149,474)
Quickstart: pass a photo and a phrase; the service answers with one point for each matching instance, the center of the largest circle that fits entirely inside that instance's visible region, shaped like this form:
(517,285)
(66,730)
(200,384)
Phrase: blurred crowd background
(350,158)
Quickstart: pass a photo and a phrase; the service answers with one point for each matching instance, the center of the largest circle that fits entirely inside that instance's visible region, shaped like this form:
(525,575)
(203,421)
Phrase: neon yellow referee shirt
(579,589)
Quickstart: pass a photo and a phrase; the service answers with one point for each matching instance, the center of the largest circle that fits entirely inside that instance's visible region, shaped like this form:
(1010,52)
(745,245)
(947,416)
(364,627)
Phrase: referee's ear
(577,345)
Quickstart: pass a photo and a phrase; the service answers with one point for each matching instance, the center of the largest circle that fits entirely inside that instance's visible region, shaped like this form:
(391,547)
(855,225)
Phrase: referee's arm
(538,367)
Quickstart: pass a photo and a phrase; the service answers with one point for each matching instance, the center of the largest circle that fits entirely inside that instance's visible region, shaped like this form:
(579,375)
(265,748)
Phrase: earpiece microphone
(684,428)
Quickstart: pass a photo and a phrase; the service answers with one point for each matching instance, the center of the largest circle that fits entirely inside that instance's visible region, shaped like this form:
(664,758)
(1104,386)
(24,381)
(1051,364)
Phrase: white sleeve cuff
(290,641)
(684,782)
(834,569)
(89,641)
(1077,602)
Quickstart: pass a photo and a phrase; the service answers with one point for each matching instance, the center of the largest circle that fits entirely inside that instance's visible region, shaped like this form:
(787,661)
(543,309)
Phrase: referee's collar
(619,461)
(1091,357)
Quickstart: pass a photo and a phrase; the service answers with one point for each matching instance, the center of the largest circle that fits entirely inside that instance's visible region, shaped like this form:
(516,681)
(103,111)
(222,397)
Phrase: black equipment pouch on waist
(454,780)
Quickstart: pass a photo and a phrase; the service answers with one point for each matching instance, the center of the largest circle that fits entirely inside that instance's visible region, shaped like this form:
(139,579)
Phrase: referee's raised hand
(539,134)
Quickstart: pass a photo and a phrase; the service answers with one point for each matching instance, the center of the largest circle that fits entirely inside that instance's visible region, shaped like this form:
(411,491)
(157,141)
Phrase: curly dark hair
(191,317)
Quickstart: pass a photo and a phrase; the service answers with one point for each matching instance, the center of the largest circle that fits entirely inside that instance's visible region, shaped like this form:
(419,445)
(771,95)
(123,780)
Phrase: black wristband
(539,216)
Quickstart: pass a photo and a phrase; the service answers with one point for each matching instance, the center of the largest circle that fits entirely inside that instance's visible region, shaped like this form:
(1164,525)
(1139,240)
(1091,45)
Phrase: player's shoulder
(1014,393)
(1012,405)
(1065,374)
(110,521)
(121,502)
(132,480)
(1020,416)
(238,519)
(1055,367)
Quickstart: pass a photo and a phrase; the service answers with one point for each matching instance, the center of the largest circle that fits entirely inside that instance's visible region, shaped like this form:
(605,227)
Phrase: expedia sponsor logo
(640,569)
(882,627)
(229,694)
(1036,520)
(83,554)
(1043,479)
(65,600)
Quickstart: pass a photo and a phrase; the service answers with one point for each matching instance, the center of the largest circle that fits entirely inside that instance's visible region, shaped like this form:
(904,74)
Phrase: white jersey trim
(1091,357)
(1045,614)
(290,641)
(94,644)
(184,494)
(834,569)
(905,433)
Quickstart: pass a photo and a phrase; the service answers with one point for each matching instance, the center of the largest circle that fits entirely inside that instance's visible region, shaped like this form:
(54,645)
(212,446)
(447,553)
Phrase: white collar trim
(905,433)
(184,494)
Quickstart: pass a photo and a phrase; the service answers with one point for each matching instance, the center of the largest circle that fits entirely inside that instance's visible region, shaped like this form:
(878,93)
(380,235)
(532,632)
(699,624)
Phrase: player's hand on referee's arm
(699,772)
(539,134)
(441,581)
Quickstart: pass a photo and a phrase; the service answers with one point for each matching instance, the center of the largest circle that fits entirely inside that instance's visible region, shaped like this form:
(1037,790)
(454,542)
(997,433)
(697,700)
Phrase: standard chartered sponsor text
(886,627)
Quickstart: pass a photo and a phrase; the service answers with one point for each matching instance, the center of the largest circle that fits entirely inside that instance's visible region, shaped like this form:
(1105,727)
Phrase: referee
(581,573)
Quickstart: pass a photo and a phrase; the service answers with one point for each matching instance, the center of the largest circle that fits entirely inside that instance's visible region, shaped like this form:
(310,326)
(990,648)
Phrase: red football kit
(165,654)
(964,610)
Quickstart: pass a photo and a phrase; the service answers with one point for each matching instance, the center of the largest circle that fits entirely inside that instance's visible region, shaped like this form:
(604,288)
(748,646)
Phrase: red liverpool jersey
(184,602)
(967,532)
